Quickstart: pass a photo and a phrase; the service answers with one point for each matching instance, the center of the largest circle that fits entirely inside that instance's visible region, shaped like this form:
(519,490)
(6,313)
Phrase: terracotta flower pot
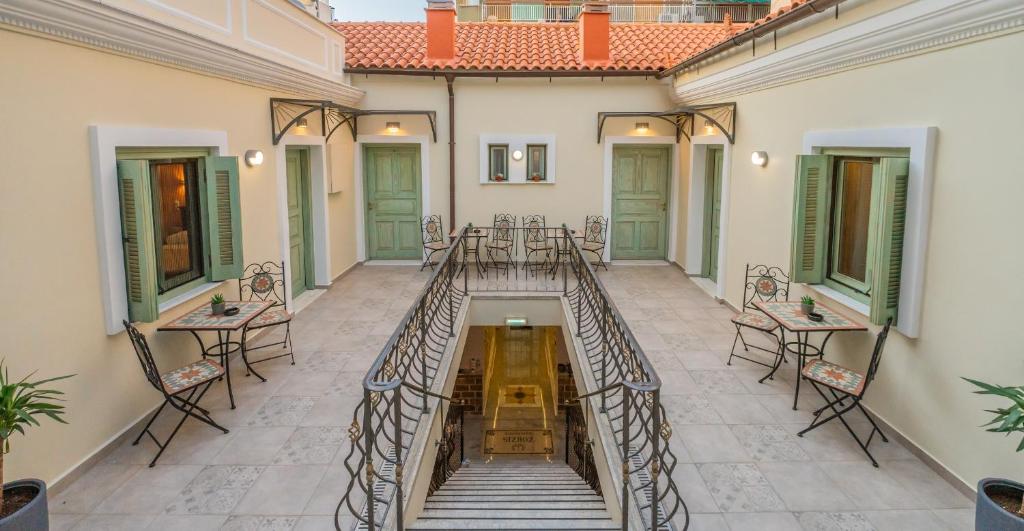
(34,515)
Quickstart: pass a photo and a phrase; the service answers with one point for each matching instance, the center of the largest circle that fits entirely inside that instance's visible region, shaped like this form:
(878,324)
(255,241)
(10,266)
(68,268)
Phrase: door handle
(662,206)
(369,206)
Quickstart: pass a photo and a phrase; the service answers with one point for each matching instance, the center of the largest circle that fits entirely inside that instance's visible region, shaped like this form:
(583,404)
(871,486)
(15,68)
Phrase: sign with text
(518,442)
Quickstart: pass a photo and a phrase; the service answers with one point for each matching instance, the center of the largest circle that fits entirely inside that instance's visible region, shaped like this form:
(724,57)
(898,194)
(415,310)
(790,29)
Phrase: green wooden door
(299,228)
(712,212)
(393,202)
(639,202)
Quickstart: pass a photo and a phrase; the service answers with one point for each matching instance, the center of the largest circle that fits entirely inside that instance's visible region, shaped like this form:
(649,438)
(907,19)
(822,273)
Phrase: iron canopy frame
(721,115)
(285,113)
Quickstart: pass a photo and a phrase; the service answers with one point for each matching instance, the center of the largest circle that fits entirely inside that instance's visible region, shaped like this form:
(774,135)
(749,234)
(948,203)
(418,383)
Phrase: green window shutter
(224,218)
(810,217)
(137,238)
(893,174)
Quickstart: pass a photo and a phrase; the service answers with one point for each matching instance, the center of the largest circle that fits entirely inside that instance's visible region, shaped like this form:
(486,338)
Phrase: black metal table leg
(245,359)
(778,359)
(224,346)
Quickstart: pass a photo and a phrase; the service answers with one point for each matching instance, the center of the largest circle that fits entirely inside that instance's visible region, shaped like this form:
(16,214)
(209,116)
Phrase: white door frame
(695,212)
(319,220)
(609,147)
(361,140)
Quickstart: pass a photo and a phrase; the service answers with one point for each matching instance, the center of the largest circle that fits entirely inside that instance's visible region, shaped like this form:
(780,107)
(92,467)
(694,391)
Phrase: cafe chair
(500,247)
(182,389)
(595,234)
(265,282)
(536,242)
(434,239)
(763,284)
(847,388)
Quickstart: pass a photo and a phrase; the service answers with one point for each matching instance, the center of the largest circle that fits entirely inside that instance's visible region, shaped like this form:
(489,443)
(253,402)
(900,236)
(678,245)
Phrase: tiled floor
(741,465)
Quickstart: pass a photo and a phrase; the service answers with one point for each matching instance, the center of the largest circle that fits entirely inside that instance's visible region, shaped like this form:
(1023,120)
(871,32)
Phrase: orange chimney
(440,30)
(595,22)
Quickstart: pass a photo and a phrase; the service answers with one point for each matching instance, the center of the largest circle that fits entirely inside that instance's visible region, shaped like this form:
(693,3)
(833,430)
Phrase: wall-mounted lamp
(642,127)
(708,128)
(302,123)
(253,157)
(393,127)
(759,158)
(517,155)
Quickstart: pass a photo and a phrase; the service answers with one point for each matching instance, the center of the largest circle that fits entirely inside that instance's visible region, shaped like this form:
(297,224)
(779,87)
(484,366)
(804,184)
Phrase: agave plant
(218,298)
(21,404)
(1008,420)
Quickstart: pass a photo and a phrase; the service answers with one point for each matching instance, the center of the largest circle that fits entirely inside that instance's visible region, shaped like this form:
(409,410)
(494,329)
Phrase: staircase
(515,495)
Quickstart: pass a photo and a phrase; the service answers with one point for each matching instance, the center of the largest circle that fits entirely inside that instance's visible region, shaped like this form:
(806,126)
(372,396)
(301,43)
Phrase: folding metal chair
(535,240)
(763,284)
(502,241)
(434,239)
(595,234)
(182,389)
(265,282)
(844,385)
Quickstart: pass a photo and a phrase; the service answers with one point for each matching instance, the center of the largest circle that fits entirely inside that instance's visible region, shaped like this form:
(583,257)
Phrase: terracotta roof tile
(504,46)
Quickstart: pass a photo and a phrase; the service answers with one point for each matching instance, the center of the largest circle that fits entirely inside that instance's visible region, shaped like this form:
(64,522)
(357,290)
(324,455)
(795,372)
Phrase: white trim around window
(921,142)
(424,143)
(104,141)
(609,148)
(319,185)
(517,168)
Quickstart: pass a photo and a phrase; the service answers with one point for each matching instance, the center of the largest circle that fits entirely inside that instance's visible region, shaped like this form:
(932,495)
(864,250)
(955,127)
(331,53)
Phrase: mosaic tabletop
(202,318)
(789,315)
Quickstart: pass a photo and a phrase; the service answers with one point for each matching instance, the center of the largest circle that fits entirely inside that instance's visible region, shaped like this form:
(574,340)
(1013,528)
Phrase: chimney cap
(440,4)
(596,6)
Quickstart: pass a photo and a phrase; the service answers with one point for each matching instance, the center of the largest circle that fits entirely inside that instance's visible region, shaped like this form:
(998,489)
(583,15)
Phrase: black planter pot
(989,516)
(34,516)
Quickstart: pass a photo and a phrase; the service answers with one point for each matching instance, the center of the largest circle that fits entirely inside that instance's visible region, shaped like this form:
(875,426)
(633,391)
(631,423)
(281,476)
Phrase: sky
(374,10)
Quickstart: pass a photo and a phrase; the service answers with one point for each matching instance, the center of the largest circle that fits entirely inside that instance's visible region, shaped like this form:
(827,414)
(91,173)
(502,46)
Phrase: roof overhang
(442,72)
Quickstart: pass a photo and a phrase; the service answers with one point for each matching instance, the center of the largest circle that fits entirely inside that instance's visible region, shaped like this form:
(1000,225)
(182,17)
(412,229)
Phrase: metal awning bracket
(285,114)
(683,119)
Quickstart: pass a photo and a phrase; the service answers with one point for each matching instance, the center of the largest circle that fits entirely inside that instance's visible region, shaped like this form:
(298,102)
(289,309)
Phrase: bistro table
(202,319)
(477,235)
(792,319)
(563,247)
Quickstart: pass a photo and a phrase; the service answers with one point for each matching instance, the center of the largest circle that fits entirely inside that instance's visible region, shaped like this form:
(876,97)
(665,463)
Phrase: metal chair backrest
(876,355)
(433,229)
(504,227)
(596,230)
(534,226)
(145,356)
(263,282)
(764,284)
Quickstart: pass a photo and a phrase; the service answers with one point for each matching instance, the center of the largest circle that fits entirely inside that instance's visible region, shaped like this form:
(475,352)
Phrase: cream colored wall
(566,108)
(52,317)
(972,287)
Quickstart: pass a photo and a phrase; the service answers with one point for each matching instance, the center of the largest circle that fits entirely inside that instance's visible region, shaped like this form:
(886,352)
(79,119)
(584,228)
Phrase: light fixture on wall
(708,128)
(253,157)
(759,158)
(642,127)
(302,123)
(393,127)
(517,155)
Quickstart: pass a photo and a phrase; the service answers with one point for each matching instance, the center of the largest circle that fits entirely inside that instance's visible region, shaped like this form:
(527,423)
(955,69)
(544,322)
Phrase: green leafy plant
(217,299)
(1008,420)
(21,404)
(807,300)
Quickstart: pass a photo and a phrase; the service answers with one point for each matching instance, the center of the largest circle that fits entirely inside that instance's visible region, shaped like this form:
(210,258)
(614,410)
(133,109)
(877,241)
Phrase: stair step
(497,497)
(513,491)
(592,505)
(526,513)
(533,525)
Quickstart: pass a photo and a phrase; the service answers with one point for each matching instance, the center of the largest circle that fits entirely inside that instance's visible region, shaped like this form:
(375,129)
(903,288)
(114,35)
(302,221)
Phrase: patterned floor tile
(216,490)
(260,523)
(312,445)
(718,382)
(835,522)
(769,442)
(740,488)
(282,411)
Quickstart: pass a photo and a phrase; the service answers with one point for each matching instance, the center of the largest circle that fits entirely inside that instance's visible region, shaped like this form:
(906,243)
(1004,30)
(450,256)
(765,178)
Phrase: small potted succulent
(1000,502)
(807,305)
(217,304)
(499,177)
(23,502)
(535,177)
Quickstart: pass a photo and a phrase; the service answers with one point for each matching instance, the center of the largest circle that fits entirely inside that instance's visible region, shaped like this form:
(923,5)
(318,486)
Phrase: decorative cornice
(918,27)
(95,25)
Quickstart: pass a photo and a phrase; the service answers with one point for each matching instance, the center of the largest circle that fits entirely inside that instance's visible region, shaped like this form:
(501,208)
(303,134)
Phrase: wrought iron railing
(579,448)
(628,13)
(396,389)
(451,450)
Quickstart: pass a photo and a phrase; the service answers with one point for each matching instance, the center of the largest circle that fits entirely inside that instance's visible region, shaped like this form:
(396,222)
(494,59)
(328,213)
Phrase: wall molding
(919,27)
(106,28)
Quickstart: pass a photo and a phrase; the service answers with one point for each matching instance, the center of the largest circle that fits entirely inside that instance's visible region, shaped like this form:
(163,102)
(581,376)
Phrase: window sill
(187,296)
(842,298)
(517,182)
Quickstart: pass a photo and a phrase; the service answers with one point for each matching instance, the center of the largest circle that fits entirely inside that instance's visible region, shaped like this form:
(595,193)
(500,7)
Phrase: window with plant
(498,162)
(537,162)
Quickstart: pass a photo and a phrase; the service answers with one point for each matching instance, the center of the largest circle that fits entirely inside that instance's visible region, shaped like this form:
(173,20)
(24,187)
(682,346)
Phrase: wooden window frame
(859,291)
(529,162)
(491,148)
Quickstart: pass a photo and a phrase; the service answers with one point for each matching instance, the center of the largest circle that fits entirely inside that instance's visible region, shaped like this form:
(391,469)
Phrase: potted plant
(535,177)
(1001,501)
(807,305)
(217,304)
(499,177)
(23,502)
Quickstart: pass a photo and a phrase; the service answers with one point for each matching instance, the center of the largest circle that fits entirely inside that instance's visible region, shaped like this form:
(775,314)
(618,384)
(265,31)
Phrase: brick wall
(469,390)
